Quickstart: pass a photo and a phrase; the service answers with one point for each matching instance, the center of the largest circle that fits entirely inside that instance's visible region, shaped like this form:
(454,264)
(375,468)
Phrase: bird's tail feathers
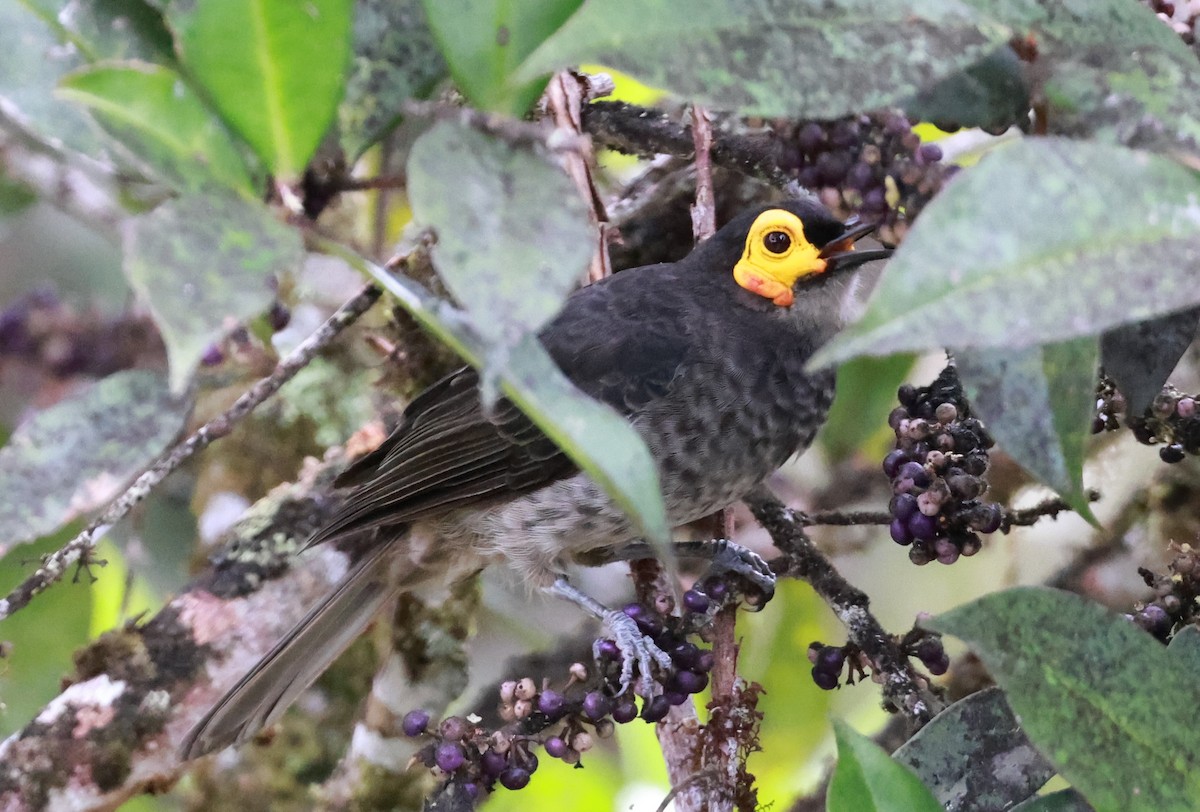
(262,695)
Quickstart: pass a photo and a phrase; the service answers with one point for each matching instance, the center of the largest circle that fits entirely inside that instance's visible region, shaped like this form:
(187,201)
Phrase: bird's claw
(636,648)
(730,557)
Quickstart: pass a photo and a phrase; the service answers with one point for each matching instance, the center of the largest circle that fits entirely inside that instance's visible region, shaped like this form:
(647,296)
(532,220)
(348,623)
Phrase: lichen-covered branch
(903,689)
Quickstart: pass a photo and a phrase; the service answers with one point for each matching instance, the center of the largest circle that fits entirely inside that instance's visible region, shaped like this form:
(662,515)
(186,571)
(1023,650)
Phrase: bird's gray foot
(633,646)
(727,557)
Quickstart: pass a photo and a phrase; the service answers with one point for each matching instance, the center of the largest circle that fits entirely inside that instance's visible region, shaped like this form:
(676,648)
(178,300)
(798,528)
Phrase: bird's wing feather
(617,345)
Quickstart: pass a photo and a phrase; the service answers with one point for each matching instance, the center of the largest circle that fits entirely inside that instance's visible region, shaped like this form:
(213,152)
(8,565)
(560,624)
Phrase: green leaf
(975,757)
(32,61)
(1044,240)
(395,59)
(991,94)
(1065,800)
(807,58)
(158,119)
(203,261)
(113,29)
(75,456)
(513,237)
(595,437)
(1140,356)
(1185,647)
(42,639)
(275,70)
(866,394)
(867,780)
(485,41)
(1111,707)
(1038,403)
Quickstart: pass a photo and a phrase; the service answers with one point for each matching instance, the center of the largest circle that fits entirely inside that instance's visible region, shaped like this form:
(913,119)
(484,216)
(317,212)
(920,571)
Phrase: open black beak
(841,254)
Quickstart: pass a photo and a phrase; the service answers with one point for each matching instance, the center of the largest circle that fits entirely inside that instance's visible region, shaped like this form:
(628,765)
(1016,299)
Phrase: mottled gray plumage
(710,374)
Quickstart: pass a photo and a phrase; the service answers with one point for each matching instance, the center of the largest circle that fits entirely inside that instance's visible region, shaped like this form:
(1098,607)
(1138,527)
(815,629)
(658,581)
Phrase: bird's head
(785,246)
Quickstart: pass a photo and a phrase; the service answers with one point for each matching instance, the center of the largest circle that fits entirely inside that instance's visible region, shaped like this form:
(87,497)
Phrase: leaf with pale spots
(1112,708)
(1045,240)
(1038,403)
(74,457)
(203,263)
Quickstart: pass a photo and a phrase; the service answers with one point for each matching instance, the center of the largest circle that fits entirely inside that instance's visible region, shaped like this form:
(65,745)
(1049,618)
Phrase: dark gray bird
(706,358)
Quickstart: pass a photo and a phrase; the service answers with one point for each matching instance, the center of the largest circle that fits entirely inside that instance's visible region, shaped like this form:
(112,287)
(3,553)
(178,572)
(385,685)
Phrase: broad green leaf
(992,94)
(157,118)
(32,61)
(1185,647)
(1110,707)
(202,262)
(513,237)
(595,437)
(866,394)
(807,58)
(1139,357)
(395,58)
(975,757)
(1038,403)
(485,41)
(1044,240)
(75,456)
(867,780)
(275,70)
(42,639)
(1065,800)
(113,29)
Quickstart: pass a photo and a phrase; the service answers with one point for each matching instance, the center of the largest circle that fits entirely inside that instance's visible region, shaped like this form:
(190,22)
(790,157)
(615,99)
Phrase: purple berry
(893,461)
(675,698)
(212,356)
(414,722)
(811,137)
(472,790)
(987,518)
(656,709)
(514,778)
(551,703)
(493,763)
(716,589)
(824,680)
(625,711)
(831,659)
(922,527)
(278,316)
(947,551)
(685,654)
(903,506)
(695,602)
(921,553)
(914,471)
(705,662)
(1171,453)
(608,650)
(691,682)
(556,747)
(449,757)
(900,533)
(596,706)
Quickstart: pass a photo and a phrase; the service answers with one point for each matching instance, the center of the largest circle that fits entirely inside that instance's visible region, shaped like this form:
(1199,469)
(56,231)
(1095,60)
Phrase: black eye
(777,241)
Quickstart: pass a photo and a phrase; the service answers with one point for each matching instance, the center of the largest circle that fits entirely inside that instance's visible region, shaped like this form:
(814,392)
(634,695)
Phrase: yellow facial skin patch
(777,254)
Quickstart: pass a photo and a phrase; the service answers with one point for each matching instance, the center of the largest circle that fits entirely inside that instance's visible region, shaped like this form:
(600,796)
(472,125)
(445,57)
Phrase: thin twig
(902,687)
(394,180)
(704,210)
(845,518)
(56,564)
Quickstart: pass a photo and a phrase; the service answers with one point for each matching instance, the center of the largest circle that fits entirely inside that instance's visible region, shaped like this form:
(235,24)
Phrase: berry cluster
(871,164)
(566,721)
(41,329)
(1172,420)
(938,470)
(1181,16)
(1175,604)
(829,662)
